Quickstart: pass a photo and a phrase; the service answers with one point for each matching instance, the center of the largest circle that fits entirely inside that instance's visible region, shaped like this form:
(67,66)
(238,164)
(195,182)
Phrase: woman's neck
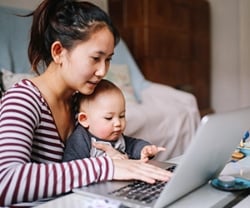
(59,99)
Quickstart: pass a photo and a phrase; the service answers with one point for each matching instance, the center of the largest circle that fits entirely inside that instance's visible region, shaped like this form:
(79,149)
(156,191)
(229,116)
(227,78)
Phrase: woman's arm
(26,130)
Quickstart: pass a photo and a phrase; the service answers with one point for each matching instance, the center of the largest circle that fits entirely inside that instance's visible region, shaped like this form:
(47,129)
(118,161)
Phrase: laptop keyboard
(141,191)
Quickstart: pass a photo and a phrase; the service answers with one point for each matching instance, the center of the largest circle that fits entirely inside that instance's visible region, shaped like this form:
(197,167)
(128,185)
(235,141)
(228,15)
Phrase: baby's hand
(150,151)
(110,151)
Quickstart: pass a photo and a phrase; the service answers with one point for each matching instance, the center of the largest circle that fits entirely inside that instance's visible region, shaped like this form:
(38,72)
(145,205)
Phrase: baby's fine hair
(67,21)
(103,86)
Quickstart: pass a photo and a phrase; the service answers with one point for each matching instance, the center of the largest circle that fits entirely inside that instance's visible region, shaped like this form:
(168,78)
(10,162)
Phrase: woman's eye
(108,118)
(96,58)
(108,59)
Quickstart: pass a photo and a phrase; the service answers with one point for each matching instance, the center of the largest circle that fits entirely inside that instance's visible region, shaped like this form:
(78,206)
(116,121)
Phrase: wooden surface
(170,41)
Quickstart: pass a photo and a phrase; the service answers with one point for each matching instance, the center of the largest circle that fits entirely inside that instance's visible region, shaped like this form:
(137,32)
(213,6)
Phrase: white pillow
(119,75)
(9,78)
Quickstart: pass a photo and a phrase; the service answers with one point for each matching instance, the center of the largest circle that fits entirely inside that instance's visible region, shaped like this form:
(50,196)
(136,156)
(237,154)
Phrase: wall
(230,65)
(245,52)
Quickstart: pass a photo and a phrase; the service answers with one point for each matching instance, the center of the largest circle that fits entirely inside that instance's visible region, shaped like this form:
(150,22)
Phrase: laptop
(212,145)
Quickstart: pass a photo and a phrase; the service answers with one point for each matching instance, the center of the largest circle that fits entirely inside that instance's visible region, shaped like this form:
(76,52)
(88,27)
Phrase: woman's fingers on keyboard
(137,169)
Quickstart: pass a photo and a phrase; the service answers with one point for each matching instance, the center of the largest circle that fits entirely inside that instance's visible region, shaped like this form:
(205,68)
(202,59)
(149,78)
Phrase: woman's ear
(56,52)
(83,119)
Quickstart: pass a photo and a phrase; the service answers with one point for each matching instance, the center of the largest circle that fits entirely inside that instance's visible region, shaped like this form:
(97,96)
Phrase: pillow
(122,55)
(119,75)
(9,78)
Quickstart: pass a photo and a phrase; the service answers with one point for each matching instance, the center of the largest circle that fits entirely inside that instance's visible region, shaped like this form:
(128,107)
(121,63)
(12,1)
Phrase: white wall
(245,52)
(230,73)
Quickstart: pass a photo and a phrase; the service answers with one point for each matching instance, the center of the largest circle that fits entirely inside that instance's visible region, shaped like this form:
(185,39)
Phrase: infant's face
(107,116)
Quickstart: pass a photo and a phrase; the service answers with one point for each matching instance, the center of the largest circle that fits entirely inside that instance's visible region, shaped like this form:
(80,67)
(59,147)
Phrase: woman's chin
(88,91)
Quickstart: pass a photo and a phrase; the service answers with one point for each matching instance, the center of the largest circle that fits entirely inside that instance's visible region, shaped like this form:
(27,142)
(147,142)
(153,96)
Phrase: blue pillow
(122,55)
(14,38)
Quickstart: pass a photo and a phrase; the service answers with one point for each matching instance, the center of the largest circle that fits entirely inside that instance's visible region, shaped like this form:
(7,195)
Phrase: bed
(158,113)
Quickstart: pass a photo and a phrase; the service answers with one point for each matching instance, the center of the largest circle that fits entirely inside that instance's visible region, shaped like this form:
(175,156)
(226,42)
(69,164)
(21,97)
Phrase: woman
(74,43)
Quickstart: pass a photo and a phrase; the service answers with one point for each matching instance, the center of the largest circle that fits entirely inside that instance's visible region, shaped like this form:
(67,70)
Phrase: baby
(101,119)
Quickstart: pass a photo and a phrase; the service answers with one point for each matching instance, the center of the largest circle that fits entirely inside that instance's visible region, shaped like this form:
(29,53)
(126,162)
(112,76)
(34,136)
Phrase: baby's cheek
(103,132)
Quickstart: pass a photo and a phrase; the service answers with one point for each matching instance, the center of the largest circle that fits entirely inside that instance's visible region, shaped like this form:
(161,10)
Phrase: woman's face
(88,62)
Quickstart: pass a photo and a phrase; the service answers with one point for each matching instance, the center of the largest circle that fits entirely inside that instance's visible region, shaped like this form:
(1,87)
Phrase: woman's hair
(67,21)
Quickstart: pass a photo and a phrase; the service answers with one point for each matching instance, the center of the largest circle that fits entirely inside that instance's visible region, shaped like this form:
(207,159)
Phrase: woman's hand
(110,151)
(139,170)
(125,169)
(150,151)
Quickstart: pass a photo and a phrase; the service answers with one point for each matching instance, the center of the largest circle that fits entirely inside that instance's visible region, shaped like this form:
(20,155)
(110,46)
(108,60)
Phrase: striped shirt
(31,151)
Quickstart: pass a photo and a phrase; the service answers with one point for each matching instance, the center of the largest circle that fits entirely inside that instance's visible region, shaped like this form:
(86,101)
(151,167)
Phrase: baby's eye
(122,116)
(108,118)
